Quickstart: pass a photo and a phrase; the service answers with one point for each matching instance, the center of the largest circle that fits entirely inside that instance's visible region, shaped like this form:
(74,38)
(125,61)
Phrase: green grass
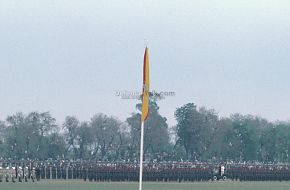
(81,185)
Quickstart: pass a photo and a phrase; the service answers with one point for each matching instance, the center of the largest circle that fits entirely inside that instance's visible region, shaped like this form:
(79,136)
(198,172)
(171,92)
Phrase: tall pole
(145,110)
(141,155)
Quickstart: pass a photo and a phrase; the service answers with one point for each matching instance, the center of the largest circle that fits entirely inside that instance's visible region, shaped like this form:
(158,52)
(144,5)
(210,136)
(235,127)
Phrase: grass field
(81,185)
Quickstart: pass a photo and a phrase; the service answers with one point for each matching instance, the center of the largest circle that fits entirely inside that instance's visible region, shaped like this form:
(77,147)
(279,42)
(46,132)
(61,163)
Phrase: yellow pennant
(145,93)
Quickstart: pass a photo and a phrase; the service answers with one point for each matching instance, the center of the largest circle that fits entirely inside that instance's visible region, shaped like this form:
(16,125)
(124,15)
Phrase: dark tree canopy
(200,134)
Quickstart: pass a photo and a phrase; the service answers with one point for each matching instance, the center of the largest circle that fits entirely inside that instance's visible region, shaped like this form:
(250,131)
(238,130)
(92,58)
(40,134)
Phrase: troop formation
(16,173)
(173,171)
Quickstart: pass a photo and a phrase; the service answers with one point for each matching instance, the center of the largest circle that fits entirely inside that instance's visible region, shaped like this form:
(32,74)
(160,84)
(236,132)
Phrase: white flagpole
(141,155)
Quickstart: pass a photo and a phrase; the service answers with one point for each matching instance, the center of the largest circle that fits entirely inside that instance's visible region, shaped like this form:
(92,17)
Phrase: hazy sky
(69,57)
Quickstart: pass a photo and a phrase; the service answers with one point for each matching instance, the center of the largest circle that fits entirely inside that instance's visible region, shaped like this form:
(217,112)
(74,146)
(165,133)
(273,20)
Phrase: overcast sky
(70,57)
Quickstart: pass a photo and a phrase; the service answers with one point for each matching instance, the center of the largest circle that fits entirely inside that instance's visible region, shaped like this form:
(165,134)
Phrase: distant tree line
(200,134)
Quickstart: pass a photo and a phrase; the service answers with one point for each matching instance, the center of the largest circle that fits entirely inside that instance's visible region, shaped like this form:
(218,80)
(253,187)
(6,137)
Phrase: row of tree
(200,134)
(204,135)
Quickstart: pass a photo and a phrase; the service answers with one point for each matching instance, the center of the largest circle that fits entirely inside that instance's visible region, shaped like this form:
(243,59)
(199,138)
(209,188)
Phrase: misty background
(69,57)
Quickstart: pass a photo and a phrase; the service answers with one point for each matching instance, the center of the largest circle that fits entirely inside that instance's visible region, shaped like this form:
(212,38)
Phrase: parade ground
(77,185)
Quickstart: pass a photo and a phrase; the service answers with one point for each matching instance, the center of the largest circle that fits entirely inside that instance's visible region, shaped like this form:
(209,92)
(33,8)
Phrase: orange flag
(145,93)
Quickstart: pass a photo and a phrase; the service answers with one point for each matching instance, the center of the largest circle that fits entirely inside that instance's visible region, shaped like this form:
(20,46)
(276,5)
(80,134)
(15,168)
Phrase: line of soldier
(123,172)
(90,171)
(259,172)
(97,171)
(17,173)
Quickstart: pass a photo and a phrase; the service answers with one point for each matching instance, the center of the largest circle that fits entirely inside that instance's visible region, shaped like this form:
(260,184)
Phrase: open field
(81,185)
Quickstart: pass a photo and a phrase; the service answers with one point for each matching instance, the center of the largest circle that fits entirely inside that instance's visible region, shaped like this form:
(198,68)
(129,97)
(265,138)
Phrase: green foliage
(28,136)
(275,143)
(205,136)
(156,136)
(195,130)
(200,134)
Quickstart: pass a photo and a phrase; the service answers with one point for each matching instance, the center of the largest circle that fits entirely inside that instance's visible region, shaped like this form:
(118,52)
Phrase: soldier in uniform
(1,174)
(7,174)
(91,173)
(13,174)
(222,173)
(37,173)
(20,174)
(25,173)
(33,174)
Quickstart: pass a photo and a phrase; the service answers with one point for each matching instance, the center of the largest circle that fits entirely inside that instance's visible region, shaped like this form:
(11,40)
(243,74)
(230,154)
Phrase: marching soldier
(7,174)
(19,174)
(37,173)
(33,174)
(13,174)
(1,174)
(26,173)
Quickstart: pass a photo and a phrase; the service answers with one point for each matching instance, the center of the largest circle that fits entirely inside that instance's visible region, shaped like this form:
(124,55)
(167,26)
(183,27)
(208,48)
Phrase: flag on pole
(145,110)
(145,93)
